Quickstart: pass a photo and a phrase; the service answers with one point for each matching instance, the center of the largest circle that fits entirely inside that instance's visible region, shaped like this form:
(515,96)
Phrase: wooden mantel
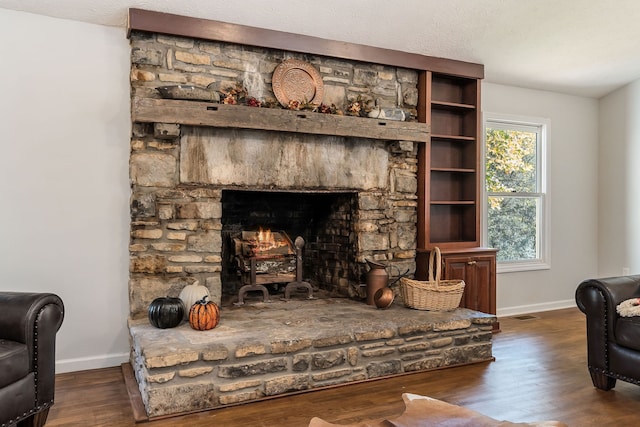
(273,119)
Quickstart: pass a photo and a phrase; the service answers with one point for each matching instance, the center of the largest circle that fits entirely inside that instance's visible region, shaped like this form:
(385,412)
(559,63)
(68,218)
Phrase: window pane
(513,223)
(511,161)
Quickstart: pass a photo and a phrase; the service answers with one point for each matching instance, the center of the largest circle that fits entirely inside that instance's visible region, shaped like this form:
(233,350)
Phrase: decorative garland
(238,96)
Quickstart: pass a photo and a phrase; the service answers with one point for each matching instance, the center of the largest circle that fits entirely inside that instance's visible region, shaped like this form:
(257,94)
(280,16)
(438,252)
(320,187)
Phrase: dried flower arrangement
(238,96)
(359,106)
(234,95)
(315,108)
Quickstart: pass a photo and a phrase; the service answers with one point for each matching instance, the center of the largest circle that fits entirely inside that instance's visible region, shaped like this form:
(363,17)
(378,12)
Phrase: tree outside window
(515,212)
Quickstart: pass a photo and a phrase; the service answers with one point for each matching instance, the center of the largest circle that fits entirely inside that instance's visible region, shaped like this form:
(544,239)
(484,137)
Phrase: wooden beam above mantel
(194,113)
(177,25)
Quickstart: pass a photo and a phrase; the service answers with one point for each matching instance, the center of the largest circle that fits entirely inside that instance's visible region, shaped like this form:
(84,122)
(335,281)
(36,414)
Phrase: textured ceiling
(586,48)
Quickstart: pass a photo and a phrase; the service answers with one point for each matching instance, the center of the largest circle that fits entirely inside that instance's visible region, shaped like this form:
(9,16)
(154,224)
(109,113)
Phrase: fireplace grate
(268,257)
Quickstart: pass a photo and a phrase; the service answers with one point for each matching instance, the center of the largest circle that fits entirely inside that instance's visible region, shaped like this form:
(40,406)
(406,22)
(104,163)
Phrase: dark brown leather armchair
(613,342)
(28,326)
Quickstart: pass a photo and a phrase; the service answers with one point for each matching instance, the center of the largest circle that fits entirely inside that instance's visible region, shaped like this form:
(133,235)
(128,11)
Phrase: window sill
(515,267)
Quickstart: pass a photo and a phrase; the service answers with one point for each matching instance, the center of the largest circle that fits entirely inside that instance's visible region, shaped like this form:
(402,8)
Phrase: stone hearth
(264,350)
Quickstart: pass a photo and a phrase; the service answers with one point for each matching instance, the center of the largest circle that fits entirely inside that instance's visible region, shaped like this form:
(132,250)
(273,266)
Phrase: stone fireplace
(348,189)
(203,171)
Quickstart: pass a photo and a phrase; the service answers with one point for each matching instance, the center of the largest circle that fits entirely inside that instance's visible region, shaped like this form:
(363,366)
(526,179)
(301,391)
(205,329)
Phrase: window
(516,211)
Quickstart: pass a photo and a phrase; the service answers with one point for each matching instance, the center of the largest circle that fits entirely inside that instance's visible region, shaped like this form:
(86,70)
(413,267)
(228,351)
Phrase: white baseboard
(93,362)
(535,308)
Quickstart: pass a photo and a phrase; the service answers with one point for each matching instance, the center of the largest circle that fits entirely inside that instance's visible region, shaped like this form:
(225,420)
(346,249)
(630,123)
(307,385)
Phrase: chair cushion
(14,362)
(628,332)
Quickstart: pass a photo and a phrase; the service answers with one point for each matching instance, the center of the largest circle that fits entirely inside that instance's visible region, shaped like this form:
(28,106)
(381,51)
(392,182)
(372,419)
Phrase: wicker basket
(434,294)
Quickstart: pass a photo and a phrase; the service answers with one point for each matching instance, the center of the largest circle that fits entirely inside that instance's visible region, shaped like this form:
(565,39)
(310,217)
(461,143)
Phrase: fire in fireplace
(321,222)
(264,257)
(268,258)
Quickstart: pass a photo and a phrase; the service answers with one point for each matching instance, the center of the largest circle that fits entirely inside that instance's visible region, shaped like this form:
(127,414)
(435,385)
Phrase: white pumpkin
(190,294)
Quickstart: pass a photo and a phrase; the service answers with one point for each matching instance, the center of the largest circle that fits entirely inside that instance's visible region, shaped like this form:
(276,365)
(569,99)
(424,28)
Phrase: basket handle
(435,258)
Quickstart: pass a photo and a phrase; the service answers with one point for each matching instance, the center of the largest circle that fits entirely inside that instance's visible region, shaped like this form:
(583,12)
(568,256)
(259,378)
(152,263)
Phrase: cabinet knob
(471,263)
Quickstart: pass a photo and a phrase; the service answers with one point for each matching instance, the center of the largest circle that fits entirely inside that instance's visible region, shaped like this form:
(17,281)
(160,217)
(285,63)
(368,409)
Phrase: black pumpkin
(166,312)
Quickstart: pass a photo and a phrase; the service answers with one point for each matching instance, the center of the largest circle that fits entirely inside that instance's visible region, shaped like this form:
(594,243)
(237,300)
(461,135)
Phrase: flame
(266,241)
(265,236)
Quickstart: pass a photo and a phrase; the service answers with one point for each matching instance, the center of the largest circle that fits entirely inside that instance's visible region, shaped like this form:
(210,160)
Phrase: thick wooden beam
(236,116)
(166,23)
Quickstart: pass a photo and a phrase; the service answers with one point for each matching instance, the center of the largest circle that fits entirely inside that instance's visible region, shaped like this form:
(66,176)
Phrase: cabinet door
(456,268)
(484,277)
(478,273)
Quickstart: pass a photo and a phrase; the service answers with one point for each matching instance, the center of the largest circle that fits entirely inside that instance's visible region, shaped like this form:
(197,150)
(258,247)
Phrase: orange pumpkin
(204,315)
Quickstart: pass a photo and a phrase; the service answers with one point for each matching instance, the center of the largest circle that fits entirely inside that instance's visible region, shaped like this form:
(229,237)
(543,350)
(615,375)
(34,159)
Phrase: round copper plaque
(295,80)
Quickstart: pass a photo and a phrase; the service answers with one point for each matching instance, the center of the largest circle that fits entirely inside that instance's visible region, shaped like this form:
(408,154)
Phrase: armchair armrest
(597,296)
(34,319)
(19,311)
(597,299)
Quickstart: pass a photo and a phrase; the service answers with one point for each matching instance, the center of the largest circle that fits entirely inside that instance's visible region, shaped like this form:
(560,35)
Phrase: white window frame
(543,262)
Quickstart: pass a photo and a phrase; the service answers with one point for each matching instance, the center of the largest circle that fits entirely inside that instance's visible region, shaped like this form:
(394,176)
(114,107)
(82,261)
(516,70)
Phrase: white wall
(572,152)
(64,103)
(619,225)
(64,100)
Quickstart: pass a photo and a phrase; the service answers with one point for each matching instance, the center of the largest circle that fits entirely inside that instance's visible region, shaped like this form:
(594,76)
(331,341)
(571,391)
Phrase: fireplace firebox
(325,222)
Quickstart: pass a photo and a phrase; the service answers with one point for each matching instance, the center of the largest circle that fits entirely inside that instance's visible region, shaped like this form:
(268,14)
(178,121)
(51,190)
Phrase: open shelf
(453,153)
(454,90)
(455,223)
(453,186)
(454,123)
(452,173)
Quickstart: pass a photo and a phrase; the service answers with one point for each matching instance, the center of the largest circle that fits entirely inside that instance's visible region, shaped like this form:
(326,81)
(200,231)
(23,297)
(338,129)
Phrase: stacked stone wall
(176,219)
(158,60)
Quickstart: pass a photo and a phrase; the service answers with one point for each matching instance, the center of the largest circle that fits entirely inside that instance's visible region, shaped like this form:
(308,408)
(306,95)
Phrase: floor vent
(525,317)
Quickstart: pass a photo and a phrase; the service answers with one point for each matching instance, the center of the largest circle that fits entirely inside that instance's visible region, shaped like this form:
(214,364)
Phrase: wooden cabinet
(449,186)
(477,267)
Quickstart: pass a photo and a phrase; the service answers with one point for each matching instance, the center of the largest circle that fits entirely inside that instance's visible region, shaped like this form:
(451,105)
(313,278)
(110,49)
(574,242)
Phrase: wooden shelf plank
(453,170)
(195,113)
(453,202)
(453,137)
(452,105)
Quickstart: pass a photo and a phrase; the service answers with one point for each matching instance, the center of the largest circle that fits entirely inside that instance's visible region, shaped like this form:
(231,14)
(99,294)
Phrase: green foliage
(511,161)
(512,227)
(511,167)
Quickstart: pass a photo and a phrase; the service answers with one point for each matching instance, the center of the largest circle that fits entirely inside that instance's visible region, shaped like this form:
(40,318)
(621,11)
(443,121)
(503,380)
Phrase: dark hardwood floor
(540,373)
